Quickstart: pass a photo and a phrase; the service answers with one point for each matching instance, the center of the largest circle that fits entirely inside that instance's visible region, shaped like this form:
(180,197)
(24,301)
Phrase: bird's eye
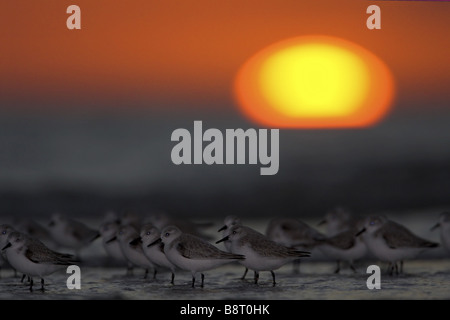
(167,234)
(234,232)
(121,232)
(372,223)
(4,232)
(148,233)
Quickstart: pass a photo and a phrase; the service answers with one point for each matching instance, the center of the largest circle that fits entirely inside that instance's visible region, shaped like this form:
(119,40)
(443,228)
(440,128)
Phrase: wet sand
(423,279)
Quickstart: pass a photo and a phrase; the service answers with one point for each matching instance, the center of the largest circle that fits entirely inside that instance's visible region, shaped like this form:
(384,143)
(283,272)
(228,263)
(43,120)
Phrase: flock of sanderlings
(160,242)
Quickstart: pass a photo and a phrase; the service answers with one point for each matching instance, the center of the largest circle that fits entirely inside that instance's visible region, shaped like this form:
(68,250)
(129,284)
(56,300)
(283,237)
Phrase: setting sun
(314,81)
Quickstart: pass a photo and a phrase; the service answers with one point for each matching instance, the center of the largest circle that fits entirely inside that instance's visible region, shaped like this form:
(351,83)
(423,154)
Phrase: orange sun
(314,82)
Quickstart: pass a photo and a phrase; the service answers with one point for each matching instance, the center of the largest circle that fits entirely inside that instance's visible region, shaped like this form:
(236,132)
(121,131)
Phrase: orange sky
(189,51)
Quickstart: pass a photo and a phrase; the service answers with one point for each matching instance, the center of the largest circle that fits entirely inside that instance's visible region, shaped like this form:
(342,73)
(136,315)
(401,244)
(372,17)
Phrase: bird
(344,246)
(192,253)
(133,252)
(444,226)
(338,220)
(161,220)
(5,231)
(130,218)
(108,231)
(155,253)
(392,242)
(70,233)
(229,222)
(31,257)
(261,253)
(110,216)
(294,233)
(34,230)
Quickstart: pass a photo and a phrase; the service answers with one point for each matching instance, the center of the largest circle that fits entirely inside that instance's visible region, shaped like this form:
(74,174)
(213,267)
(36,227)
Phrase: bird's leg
(31,285)
(352,267)
(193,281)
(396,269)
(154,273)
(401,266)
(129,270)
(23,277)
(146,273)
(256,277)
(173,278)
(296,266)
(391,268)
(338,266)
(15,273)
(42,285)
(245,273)
(203,279)
(273,278)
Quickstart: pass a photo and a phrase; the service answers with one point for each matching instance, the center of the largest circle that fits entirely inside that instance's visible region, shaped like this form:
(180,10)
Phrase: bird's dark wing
(192,247)
(268,248)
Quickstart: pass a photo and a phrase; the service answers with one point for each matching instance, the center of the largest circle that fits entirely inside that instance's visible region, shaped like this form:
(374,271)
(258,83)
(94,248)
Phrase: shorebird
(191,253)
(392,242)
(261,253)
(33,258)
(155,253)
(444,226)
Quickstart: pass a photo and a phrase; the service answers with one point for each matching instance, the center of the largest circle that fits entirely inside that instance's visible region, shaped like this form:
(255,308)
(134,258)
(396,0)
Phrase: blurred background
(86,116)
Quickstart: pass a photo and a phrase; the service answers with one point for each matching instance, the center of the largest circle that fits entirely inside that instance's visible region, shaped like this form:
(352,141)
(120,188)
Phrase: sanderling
(295,234)
(133,252)
(338,220)
(231,221)
(34,230)
(108,231)
(5,231)
(110,216)
(71,234)
(444,225)
(33,258)
(261,253)
(344,246)
(152,250)
(191,253)
(392,242)
(130,218)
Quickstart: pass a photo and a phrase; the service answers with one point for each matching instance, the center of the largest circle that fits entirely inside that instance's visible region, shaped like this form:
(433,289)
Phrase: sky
(185,54)
(92,110)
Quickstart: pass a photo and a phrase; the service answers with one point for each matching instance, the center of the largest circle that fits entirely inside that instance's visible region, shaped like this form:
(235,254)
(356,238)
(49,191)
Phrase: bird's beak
(360,232)
(437,225)
(7,246)
(223,239)
(322,223)
(111,240)
(155,242)
(223,228)
(136,241)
